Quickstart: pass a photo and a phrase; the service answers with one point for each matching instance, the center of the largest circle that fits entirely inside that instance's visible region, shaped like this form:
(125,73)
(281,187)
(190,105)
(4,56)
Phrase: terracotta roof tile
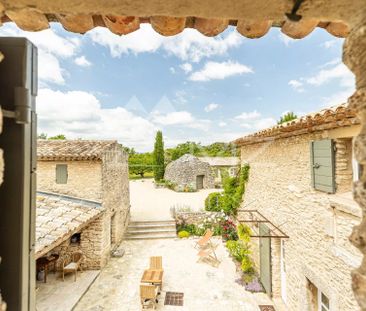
(329,118)
(73,149)
(56,222)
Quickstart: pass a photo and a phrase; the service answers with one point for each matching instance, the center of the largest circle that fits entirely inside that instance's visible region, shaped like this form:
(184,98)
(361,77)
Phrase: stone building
(91,170)
(189,172)
(300,183)
(66,224)
(220,165)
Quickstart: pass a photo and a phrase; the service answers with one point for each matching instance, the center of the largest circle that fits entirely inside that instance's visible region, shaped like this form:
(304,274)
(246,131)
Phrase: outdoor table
(153,276)
(44,262)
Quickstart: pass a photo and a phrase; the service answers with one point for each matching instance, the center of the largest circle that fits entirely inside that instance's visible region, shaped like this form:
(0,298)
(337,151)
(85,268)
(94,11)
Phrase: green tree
(140,163)
(42,136)
(220,149)
(158,157)
(188,147)
(58,137)
(287,117)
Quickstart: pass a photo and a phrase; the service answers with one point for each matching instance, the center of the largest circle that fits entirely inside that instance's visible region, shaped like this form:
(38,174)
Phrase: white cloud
(78,114)
(82,61)
(211,107)
(190,45)
(339,72)
(186,67)
(51,47)
(253,121)
(248,115)
(285,39)
(219,71)
(296,85)
(172,70)
(49,69)
(173,118)
(222,124)
(330,43)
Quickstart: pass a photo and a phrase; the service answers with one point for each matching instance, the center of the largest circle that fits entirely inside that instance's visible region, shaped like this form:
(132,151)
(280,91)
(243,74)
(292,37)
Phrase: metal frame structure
(255,217)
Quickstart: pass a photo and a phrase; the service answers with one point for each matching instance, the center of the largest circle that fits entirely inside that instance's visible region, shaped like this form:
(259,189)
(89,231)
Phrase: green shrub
(238,249)
(247,265)
(183,234)
(244,232)
(229,200)
(213,202)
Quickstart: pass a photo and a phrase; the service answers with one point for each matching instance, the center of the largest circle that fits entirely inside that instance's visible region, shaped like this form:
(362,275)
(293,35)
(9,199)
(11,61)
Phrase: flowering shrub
(229,230)
(212,222)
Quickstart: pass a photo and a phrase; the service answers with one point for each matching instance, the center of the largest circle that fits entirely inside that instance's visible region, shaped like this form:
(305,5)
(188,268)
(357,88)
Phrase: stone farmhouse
(189,173)
(301,208)
(90,172)
(219,165)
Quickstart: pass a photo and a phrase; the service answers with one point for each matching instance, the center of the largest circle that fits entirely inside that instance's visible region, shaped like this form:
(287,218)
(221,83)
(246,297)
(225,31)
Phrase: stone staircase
(144,230)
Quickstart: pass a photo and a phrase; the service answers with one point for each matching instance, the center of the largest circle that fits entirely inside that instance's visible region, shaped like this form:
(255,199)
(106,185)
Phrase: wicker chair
(71,264)
(148,296)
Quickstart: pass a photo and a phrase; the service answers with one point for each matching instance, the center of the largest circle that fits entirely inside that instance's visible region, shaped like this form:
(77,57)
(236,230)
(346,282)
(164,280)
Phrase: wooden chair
(205,240)
(208,254)
(71,264)
(148,296)
(156,263)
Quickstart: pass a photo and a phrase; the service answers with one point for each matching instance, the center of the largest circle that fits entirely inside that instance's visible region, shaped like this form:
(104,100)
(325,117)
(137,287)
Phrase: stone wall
(317,249)
(115,191)
(183,173)
(94,244)
(84,179)
(194,218)
(343,160)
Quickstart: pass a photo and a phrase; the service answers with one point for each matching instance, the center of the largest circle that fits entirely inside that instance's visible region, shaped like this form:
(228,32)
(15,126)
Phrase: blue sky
(102,86)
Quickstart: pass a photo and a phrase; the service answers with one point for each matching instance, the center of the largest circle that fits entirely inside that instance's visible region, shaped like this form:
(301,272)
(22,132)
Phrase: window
(323,302)
(61,174)
(322,165)
(75,238)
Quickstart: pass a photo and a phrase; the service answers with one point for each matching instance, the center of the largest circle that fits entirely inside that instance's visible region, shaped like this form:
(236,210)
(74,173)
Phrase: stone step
(150,237)
(152,226)
(139,230)
(152,222)
(150,231)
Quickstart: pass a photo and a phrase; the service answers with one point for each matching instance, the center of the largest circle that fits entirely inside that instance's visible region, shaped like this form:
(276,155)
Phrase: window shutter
(322,165)
(61,173)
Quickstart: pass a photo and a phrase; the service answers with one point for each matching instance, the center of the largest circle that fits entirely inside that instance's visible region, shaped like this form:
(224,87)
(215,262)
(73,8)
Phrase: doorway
(265,258)
(199,182)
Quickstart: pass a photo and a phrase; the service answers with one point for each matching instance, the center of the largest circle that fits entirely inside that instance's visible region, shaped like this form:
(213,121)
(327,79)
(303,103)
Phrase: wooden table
(44,262)
(153,276)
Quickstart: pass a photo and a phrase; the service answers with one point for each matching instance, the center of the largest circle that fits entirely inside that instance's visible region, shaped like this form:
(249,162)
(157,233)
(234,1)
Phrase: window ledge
(344,202)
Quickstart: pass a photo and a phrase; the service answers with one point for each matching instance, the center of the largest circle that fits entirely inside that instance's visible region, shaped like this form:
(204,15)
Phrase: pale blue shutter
(322,154)
(61,173)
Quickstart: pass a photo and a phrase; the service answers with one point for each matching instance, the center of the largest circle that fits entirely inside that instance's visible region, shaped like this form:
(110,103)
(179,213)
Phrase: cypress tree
(159,166)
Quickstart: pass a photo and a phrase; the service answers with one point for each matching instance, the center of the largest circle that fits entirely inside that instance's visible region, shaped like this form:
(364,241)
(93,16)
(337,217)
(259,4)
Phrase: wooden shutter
(322,165)
(61,173)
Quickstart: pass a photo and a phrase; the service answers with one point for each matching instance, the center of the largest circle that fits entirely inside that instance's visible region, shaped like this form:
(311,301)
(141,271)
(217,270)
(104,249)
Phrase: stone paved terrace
(205,287)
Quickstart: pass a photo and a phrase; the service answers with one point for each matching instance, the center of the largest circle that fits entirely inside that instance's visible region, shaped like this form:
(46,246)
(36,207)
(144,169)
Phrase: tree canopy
(287,117)
(140,163)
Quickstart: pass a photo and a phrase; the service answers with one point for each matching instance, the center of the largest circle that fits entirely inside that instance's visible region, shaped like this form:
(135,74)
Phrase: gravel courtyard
(150,203)
(205,287)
